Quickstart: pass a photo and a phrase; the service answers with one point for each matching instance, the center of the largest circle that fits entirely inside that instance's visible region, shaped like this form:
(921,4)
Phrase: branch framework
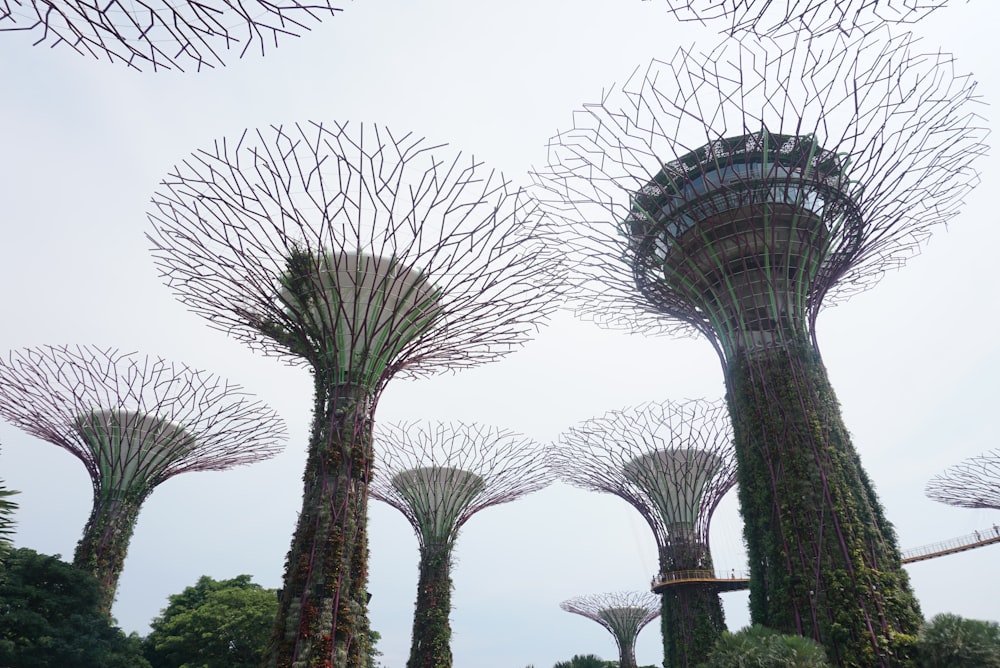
(353,248)
(134,420)
(163,35)
(672,461)
(974,483)
(440,474)
(893,125)
(778,17)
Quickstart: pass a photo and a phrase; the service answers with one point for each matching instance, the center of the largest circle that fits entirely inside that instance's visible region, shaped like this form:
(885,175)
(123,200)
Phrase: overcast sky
(84,144)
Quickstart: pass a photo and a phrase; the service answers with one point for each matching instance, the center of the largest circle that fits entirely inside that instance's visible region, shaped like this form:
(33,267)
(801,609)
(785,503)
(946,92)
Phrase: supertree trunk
(104,545)
(824,561)
(326,568)
(431,644)
(691,616)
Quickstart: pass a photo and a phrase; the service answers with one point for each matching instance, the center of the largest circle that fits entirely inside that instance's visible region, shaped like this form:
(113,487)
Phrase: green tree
(213,624)
(373,651)
(586,661)
(50,615)
(761,647)
(950,641)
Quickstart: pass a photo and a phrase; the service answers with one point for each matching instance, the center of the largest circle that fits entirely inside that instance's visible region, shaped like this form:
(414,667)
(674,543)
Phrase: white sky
(85,143)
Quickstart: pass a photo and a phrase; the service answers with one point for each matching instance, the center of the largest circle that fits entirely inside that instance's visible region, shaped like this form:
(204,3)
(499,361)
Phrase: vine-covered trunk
(322,614)
(104,545)
(824,561)
(691,616)
(431,643)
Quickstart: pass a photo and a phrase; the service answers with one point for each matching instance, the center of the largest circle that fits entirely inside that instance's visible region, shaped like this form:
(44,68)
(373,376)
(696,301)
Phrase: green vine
(691,616)
(431,644)
(824,561)
(322,616)
(104,545)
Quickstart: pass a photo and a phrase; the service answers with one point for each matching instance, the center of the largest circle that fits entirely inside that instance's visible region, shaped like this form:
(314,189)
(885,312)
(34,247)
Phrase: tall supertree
(974,483)
(438,476)
(673,462)
(733,194)
(365,255)
(776,17)
(134,422)
(160,34)
(624,614)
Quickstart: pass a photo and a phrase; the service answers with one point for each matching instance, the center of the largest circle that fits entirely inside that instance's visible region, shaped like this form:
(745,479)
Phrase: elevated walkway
(736,580)
(953,546)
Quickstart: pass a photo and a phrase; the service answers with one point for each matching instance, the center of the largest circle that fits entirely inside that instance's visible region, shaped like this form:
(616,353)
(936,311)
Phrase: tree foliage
(586,661)
(213,624)
(761,647)
(50,616)
(950,641)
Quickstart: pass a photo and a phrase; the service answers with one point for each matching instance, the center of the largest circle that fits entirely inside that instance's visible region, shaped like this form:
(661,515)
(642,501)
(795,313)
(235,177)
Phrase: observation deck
(707,579)
(741,233)
(738,580)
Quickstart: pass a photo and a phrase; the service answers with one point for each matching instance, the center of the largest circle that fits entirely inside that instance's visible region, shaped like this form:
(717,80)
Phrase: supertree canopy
(775,17)
(974,483)
(438,476)
(624,614)
(673,462)
(733,194)
(364,254)
(134,422)
(163,35)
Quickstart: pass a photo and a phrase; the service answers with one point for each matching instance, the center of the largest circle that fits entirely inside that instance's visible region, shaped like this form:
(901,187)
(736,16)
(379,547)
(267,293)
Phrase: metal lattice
(353,247)
(671,461)
(773,17)
(439,475)
(131,419)
(974,483)
(162,35)
(850,150)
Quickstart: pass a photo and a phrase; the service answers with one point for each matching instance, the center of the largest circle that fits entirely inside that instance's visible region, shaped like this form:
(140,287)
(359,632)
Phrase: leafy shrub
(761,647)
(950,641)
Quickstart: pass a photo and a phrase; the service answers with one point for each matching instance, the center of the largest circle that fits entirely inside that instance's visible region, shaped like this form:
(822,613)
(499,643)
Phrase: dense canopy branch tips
(974,483)
(160,34)
(782,17)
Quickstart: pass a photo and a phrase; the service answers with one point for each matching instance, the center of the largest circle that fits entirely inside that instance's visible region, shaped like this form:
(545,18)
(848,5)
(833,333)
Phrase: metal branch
(778,17)
(162,35)
(974,483)
(672,461)
(379,252)
(439,475)
(171,419)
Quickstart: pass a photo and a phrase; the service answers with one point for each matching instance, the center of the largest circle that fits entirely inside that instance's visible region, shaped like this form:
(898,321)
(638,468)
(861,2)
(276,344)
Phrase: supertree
(624,614)
(777,17)
(974,483)
(673,462)
(364,255)
(134,422)
(439,475)
(733,194)
(160,34)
